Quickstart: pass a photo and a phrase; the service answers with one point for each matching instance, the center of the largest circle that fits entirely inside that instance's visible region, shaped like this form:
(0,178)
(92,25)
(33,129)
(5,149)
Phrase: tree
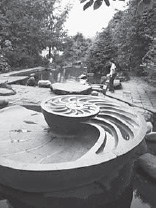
(131,34)
(100,52)
(54,32)
(29,26)
(127,38)
(75,48)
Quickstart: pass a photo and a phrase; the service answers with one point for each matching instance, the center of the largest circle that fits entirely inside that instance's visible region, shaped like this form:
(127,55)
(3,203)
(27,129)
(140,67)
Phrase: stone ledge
(70,88)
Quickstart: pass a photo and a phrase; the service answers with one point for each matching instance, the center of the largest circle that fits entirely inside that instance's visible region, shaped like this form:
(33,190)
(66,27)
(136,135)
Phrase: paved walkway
(138,93)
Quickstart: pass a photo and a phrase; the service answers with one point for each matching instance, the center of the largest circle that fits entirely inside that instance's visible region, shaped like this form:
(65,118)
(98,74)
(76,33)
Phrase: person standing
(112,74)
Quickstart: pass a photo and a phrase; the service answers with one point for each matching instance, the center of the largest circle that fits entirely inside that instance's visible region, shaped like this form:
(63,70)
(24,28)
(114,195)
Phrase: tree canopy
(126,39)
(29,26)
(74,49)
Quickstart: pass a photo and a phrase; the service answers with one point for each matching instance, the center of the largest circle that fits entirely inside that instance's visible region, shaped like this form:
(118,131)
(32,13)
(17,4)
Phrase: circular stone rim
(81,162)
(44,108)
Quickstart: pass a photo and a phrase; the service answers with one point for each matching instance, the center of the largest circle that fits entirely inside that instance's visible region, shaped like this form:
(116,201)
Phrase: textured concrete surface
(23,72)
(70,87)
(27,95)
(20,76)
(13,79)
(137,92)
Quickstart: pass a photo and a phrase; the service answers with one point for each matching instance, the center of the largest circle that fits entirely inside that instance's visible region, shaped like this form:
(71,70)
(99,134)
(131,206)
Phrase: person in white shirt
(112,76)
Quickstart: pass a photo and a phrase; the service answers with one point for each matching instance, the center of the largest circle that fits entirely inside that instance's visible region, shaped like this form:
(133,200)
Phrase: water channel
(62,75)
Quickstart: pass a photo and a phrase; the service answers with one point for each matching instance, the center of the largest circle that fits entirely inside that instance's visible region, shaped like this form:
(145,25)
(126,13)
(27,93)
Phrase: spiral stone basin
(35,158)
(66,112)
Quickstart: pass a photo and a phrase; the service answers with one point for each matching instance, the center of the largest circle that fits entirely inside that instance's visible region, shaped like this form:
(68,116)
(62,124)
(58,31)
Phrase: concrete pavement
(138,93)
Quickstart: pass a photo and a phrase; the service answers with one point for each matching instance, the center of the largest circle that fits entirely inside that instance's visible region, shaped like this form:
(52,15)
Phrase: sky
(90,21)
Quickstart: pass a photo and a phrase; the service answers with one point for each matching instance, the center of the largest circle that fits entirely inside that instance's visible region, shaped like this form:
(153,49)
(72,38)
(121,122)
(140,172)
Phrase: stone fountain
(86,151)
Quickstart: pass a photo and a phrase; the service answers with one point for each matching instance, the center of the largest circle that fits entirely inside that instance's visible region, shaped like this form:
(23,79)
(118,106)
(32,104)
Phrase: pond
(62,75)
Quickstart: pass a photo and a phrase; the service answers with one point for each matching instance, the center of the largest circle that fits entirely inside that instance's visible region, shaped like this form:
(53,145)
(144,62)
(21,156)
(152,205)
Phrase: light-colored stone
(94,93)
(117,83)
(149,127)
(23,72)
(6,92)
(4,204)
(70,87)
(44,83)
(148,116)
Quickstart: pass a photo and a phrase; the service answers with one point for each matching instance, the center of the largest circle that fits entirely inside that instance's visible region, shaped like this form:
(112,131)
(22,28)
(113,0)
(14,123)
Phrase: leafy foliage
(4,66)
(27,27)
(100,52)
(142,4)
(131,35)
(88,4)
(127,39)
(75,48)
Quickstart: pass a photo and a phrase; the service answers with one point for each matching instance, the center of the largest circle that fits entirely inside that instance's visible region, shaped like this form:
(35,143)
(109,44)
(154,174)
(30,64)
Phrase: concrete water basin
(36,158)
